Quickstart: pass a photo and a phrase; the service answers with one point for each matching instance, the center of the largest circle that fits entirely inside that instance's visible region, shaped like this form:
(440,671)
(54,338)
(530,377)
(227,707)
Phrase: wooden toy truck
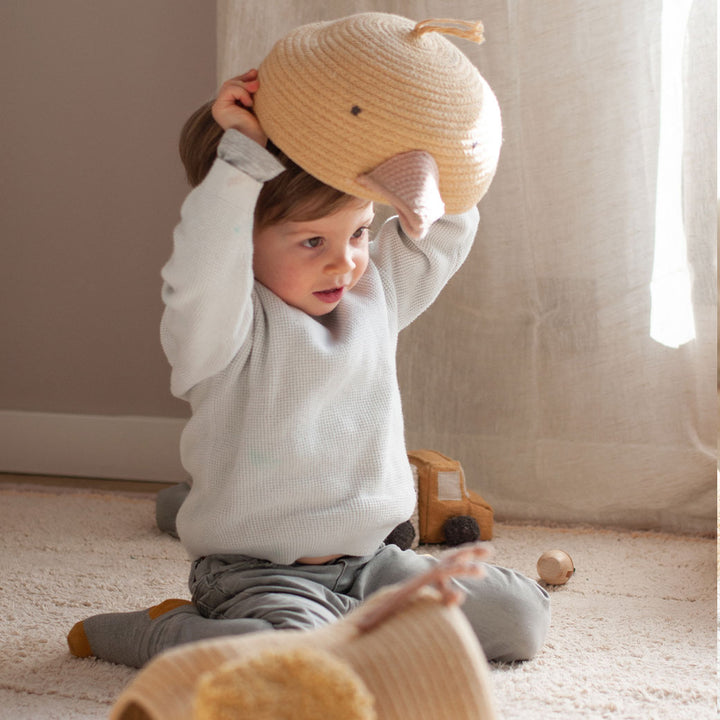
(445,503)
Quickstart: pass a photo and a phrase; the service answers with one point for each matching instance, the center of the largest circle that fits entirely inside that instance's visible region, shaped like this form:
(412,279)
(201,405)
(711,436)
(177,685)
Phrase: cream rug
(633,633)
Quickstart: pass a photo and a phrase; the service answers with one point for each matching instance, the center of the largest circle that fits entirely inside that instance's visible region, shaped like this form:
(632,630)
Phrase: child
(281,327)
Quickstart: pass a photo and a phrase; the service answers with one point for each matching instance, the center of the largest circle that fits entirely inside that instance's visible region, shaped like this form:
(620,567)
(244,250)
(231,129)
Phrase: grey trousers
(167,505)
(234,594)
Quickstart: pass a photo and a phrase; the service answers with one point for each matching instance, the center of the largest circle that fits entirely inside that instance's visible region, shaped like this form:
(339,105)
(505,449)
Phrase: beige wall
(94,95)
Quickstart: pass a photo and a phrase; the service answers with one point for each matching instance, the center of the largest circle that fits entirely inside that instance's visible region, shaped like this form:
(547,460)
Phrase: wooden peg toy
(555,567)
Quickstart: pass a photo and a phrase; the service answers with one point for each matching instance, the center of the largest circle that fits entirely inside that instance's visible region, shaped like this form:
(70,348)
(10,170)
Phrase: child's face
(311,264)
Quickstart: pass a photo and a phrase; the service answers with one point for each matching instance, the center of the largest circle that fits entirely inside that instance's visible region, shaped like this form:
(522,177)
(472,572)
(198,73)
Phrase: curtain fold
(571,364)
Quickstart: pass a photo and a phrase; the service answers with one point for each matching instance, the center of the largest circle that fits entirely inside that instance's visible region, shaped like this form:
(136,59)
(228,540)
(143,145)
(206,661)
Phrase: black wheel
(461,529)
(402,536)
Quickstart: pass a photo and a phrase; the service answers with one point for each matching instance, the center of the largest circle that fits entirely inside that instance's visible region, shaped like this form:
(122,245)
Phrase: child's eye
(313,242)
(360,232)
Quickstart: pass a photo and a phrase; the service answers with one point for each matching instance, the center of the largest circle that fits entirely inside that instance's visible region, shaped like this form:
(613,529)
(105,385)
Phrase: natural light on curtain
(671,320)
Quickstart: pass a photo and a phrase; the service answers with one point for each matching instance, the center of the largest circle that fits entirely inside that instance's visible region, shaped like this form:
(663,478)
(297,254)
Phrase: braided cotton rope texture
(341,97)
(460,28)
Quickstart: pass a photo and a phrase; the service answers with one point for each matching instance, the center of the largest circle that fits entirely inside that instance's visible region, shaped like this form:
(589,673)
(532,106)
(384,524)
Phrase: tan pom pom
(555,567)
(298,684)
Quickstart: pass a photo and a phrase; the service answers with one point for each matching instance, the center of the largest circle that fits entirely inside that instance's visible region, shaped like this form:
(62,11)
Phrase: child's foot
(167,506)
(118,637)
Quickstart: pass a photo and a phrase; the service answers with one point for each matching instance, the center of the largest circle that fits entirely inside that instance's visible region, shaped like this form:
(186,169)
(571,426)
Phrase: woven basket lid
(440,672)
(340,98)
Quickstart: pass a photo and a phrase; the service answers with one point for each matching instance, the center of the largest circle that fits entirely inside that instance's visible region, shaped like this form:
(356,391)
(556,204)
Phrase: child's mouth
(330,296)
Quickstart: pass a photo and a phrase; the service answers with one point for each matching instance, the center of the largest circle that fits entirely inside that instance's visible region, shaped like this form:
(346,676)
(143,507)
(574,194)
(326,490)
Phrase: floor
(633,634)
(83,483)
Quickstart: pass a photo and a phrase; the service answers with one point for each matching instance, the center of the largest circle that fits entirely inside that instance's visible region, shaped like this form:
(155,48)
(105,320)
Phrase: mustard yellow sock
(77,641)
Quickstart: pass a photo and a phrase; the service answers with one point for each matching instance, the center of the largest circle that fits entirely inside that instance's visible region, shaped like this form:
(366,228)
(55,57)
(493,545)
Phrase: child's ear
(409,182)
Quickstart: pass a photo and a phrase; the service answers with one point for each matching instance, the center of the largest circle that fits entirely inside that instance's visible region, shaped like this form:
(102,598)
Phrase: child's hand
(229,108)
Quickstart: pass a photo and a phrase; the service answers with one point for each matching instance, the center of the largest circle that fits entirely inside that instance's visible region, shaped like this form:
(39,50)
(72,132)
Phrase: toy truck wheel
(402,536)
(461,529)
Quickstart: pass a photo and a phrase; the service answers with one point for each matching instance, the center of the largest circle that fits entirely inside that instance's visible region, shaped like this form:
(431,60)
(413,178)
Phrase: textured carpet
(633,632)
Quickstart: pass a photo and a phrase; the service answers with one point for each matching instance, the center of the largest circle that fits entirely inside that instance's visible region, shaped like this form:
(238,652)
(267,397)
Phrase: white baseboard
(98,446)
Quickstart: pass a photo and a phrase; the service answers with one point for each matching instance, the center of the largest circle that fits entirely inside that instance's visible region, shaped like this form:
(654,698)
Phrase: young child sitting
(281,323)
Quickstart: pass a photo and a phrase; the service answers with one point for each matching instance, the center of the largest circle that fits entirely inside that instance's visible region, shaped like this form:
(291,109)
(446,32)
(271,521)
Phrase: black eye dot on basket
(356,110)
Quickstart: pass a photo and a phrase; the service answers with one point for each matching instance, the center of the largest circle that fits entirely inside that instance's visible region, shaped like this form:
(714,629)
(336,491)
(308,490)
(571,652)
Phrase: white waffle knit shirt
(296,442)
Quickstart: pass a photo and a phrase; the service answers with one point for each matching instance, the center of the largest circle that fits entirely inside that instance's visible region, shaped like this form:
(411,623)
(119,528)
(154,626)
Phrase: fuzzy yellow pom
(298,684)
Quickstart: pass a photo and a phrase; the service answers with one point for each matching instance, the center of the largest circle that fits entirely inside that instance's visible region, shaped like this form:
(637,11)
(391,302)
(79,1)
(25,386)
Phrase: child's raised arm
(208,280)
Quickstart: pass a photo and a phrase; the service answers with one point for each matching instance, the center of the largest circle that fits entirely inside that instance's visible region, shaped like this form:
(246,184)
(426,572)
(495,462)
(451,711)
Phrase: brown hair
(292,195)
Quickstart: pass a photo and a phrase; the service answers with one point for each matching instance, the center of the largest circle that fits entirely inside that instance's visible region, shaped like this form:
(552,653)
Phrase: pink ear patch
(409,182)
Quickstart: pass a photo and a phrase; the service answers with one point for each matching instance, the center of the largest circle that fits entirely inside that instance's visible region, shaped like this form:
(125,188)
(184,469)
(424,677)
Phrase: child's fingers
(234,91)
(233,106)
(239,89)
(247,76)
(248,79)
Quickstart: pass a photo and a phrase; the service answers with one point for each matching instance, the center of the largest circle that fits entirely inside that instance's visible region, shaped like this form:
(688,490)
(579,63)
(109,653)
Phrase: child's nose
(341,262)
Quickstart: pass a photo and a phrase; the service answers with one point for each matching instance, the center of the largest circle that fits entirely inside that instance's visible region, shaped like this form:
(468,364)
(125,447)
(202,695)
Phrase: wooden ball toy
(555,567)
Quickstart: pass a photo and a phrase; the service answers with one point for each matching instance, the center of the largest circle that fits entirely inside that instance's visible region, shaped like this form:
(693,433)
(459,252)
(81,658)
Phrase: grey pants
(234,594)
(167,505)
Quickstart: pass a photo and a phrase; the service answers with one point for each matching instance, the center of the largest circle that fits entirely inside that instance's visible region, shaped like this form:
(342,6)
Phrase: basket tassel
(467,29)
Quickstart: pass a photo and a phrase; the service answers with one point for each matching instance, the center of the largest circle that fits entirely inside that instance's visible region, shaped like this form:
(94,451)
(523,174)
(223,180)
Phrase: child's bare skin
(233,106)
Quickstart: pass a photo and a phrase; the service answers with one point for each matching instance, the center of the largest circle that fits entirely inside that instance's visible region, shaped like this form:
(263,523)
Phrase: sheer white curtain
(571,364)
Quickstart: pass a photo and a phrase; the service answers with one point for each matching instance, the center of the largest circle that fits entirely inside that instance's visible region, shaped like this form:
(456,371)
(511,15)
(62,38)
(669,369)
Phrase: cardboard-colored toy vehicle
(442,496)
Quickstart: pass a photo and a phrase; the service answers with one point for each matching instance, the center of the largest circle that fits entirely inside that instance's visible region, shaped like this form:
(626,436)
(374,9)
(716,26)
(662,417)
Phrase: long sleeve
(208,281)
(414,272)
